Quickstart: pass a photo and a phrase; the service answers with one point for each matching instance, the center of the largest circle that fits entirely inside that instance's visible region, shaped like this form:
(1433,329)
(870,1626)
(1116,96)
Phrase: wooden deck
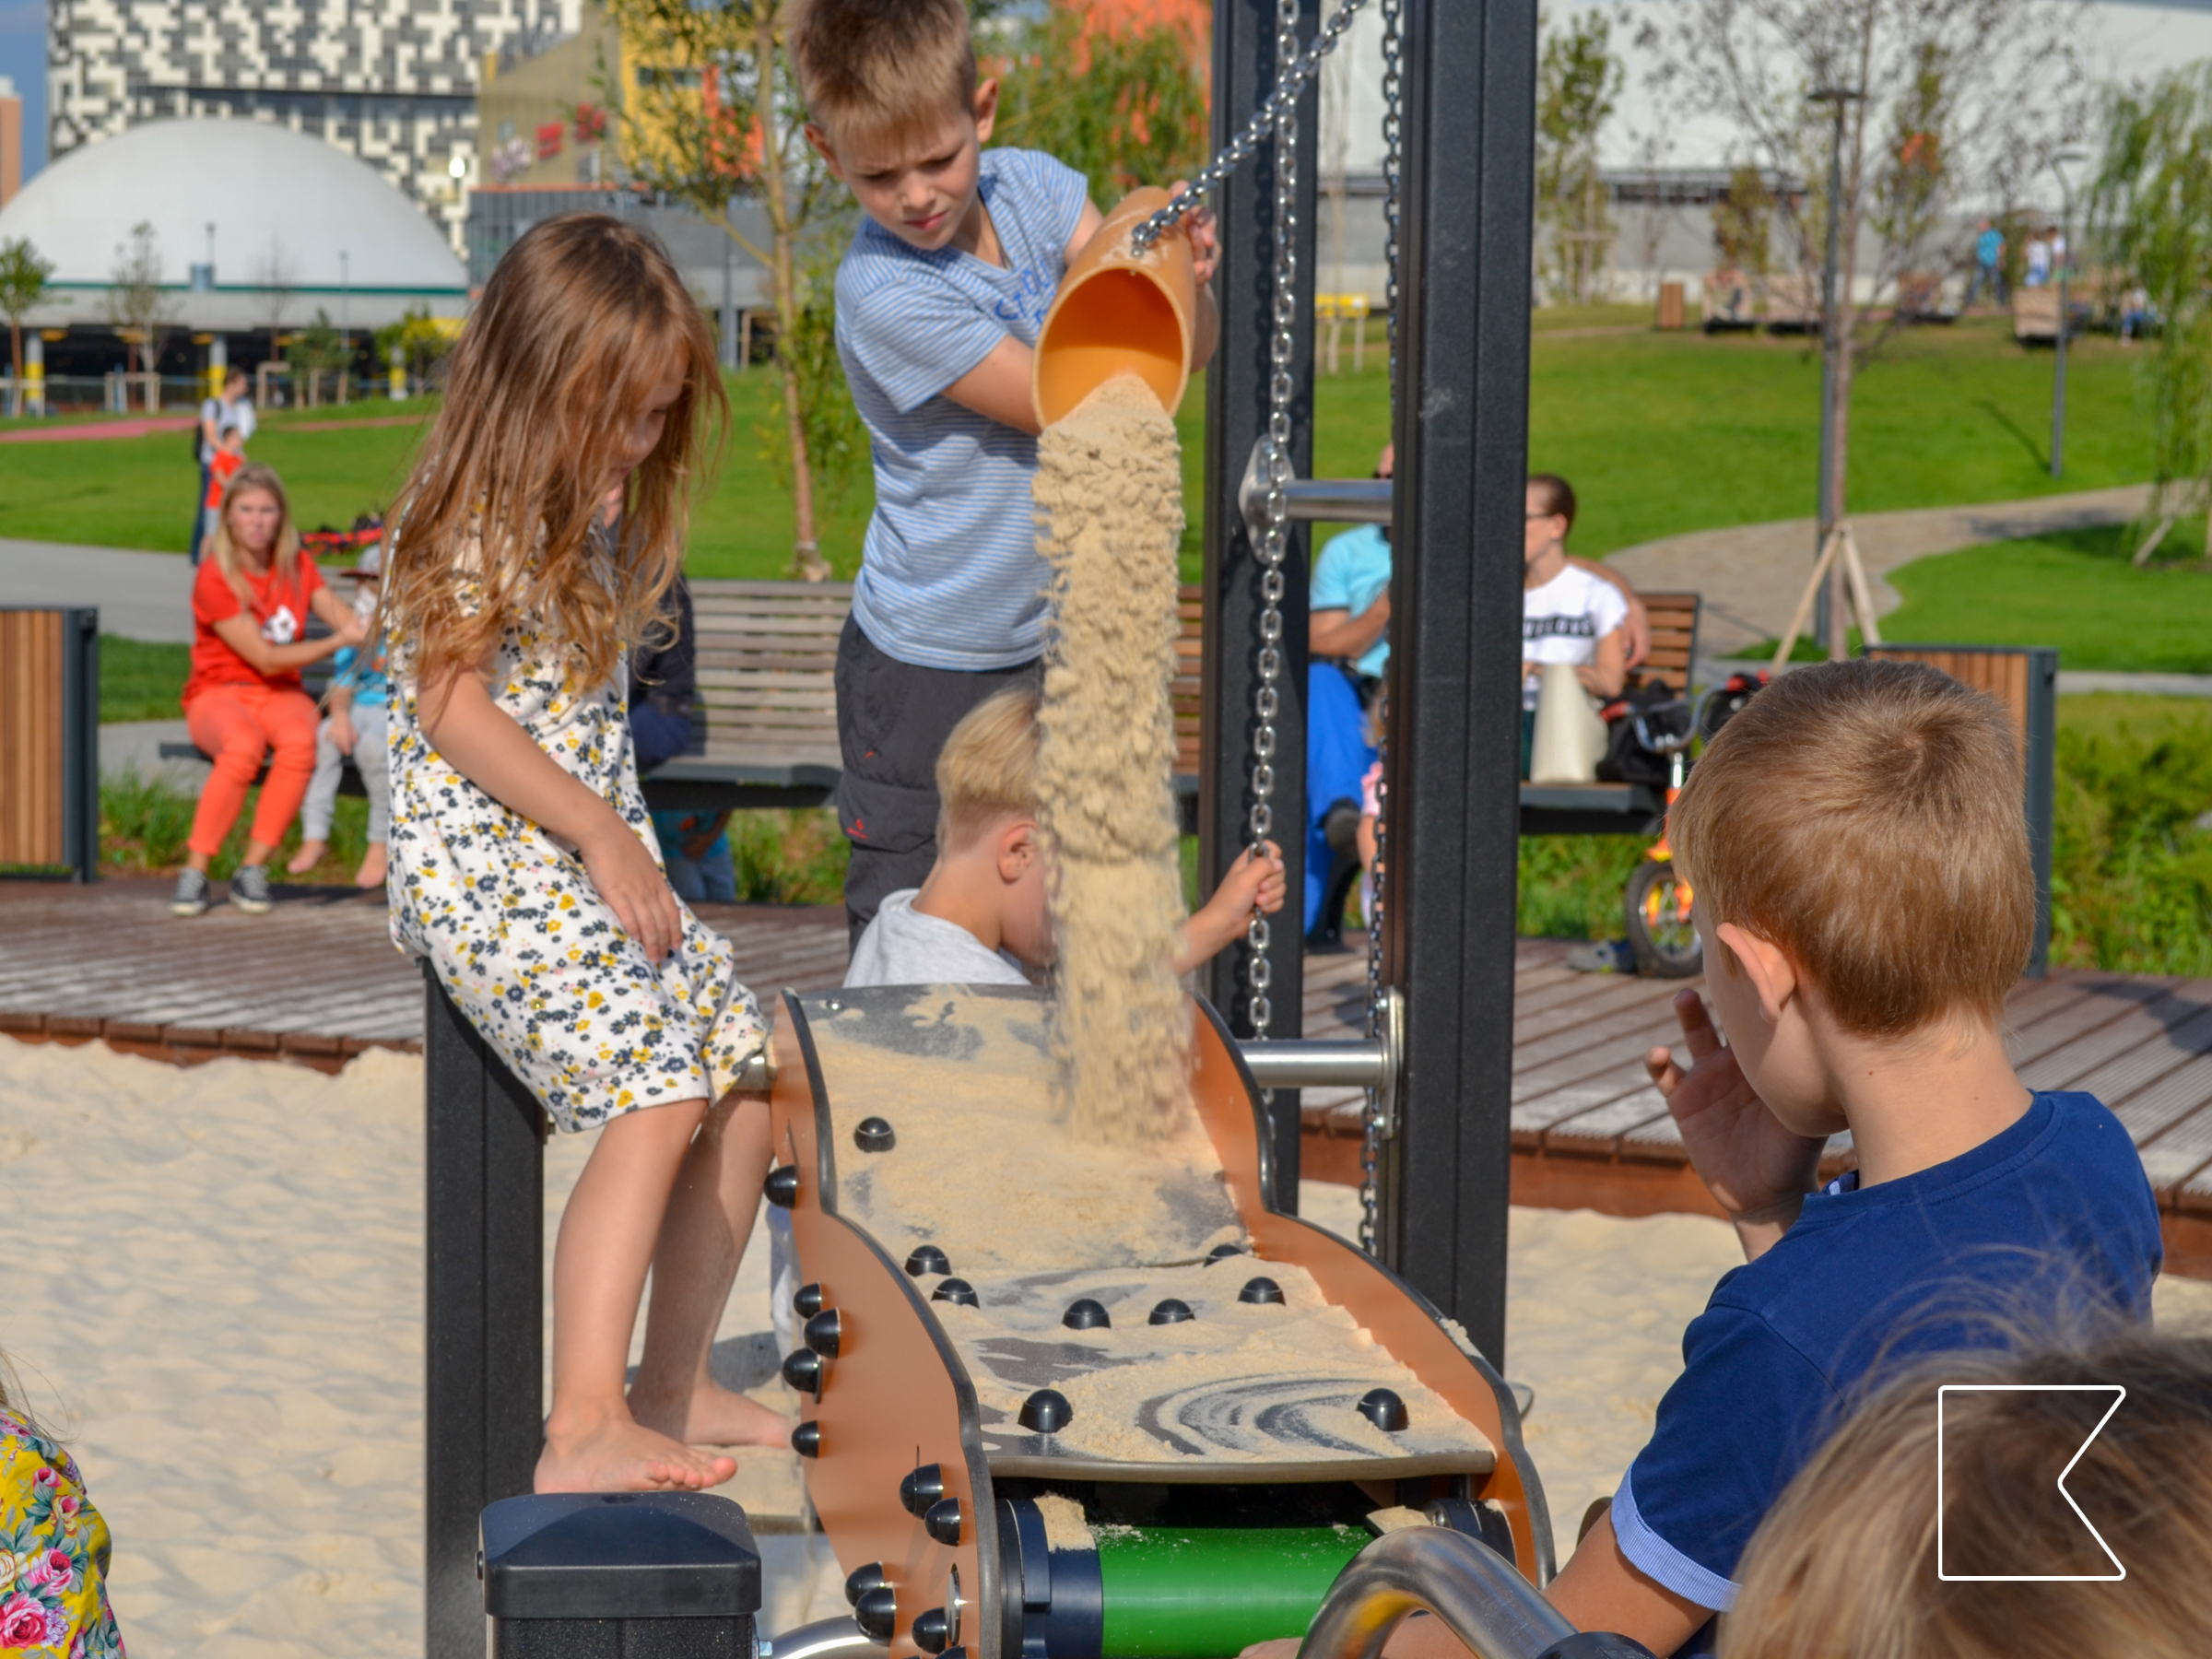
(319,981)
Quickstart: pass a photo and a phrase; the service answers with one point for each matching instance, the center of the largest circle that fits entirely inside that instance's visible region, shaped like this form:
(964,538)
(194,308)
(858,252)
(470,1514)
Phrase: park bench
(1623,808)
(1793,304)
(1728,300)
(2035,313)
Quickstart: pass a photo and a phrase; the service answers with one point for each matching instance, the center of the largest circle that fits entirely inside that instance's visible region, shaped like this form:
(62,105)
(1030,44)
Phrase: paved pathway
(140,595)
(1751,575)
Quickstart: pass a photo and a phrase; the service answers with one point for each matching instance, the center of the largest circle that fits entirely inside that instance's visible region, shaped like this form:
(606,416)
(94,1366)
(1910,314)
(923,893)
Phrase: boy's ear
(1772,975)
(986,108)
(825,150)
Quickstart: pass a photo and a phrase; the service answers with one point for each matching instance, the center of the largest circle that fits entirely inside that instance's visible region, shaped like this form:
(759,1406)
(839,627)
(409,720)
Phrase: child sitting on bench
(979,919)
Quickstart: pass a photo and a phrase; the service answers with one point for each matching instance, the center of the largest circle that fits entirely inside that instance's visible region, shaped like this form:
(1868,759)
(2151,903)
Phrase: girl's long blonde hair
(284,554)
(1844,1566)
(580,320)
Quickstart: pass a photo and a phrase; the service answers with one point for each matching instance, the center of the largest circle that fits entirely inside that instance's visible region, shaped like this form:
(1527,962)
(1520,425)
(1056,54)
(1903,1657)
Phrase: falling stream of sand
(1109,494)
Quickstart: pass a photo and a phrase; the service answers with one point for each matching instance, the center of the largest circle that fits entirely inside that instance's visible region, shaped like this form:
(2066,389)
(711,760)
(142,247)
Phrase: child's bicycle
(1656,905)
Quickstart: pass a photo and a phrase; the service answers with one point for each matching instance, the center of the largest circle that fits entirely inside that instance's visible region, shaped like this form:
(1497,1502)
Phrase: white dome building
(252,224)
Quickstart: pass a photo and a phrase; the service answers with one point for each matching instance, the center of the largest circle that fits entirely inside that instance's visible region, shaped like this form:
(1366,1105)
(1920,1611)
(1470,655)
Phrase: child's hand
(1252,882)
(342,732)
(634,888)
(1206,241)
(1757,1168)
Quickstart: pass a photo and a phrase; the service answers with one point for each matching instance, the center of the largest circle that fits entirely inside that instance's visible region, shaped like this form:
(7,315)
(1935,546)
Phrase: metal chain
(1275,540)
(1370,1143)
(1292,74)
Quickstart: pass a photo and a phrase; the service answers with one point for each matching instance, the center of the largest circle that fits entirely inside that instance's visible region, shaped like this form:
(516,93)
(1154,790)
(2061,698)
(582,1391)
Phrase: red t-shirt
(219,471)
(280,607)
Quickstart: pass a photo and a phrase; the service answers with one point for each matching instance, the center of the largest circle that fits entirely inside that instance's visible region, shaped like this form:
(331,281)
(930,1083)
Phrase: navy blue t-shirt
(2057,1206)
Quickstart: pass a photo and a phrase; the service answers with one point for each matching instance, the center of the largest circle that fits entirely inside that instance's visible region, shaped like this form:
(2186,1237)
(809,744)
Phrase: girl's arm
(1609,672)
(239,632)
(486,746)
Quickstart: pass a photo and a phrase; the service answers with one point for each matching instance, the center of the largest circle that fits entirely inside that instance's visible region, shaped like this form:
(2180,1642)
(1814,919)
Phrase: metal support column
(484,1311)
(1462,432)
(80,741)
(1236,415)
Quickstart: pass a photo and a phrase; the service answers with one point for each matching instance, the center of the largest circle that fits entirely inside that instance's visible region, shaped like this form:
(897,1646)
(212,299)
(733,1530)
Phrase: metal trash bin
(619,1575)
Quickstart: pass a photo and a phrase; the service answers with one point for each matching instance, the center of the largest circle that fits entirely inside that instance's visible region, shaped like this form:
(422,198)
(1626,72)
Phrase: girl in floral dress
(535,542)
(53,1551)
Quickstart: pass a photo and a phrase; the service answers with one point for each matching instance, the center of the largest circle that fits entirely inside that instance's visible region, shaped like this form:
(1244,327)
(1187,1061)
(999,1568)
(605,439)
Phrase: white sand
(214,1291)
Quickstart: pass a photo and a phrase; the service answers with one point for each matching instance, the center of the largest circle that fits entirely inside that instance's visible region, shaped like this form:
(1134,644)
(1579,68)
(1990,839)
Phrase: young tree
(138,309)
(717,113)
(275,276)
(316,350)
(418,341)
(22,283)
(1578,83)
(1943,103)
(2151,210)
(1743,223)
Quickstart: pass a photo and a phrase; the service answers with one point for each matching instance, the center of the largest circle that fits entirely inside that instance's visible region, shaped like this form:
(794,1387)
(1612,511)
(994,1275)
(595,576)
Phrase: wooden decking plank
(2145,1025)
(2142,1063)
(2105,1000)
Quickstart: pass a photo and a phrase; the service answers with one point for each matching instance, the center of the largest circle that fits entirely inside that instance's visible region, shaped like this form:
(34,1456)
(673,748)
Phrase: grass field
(1661,433)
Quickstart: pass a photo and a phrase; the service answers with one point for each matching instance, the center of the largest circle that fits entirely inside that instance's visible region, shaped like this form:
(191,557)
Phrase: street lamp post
(1828,623)
(2059,164)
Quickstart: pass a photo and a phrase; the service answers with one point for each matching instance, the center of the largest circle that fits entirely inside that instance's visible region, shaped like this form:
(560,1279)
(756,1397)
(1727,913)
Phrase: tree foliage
(138,308)
(22,284)
(1743,223)
(316,350)
(418,342)
(2151,211)
(1125,106)
(1578,83)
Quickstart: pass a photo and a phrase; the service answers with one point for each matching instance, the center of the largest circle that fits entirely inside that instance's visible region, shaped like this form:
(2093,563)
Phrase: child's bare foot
(371,873)
(712,1415)
(616,1454)
(307,858)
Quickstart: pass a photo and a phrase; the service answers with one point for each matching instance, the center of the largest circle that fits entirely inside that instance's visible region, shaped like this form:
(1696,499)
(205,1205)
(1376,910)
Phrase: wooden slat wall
(30,738)
(2001,672)
(1674,639)
(1189,606)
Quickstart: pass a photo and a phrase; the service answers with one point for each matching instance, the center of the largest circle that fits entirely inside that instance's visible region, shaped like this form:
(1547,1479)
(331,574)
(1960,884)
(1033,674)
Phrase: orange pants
(237,725)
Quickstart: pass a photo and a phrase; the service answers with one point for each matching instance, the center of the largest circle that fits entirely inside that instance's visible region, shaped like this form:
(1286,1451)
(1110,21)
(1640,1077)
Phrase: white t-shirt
(225,416)
(1563,621)
(904,947)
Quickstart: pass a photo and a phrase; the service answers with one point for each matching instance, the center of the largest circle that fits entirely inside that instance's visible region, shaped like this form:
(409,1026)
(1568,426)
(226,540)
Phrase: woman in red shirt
(250,606)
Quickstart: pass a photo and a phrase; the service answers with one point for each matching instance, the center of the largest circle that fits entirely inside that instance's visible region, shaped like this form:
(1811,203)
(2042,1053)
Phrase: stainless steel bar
(1477,1593)
(837,1638)
(1312,1062)
(1339,500)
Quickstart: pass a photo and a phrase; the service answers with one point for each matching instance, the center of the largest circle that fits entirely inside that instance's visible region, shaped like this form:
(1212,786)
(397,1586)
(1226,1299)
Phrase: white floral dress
(519,938)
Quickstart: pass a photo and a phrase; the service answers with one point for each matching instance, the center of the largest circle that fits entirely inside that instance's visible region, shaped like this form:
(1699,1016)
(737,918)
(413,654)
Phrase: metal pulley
(1310,501)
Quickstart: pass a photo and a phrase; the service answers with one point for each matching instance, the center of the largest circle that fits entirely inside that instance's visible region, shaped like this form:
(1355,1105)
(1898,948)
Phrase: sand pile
(1109,494)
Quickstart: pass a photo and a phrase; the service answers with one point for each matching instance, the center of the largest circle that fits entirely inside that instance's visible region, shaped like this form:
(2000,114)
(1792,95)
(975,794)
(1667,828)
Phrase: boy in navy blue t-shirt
(939,302)
(1856,844)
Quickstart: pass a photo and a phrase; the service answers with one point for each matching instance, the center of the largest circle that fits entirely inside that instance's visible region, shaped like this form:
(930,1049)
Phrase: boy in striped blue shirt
(939,300)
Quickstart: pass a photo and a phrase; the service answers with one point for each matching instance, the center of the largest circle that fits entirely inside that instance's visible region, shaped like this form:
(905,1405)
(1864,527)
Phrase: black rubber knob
(806,1439)
(1594,1645)
(921,1488)
(781,1186)
(805,1370)
(943,1522)
(807,1300)
(862,1580)
(1172,1311)
(1221,1253)
(1046,1412)
(873,1135)
(1085,1315)
(1383,1410)
(1260,1290)
(930,1631)
(956,1290)
(926,1258)
(876,1613)
(825,1329)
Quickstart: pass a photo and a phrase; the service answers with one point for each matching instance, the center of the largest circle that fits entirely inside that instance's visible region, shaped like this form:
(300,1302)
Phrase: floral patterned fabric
(54,1553)
(516,933)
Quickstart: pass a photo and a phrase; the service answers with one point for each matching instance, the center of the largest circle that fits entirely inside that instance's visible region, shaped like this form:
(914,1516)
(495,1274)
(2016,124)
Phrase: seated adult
(1571,611)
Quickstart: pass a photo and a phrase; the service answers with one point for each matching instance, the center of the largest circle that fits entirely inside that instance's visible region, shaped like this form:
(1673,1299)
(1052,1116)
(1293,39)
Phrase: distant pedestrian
(1989,265)
(219,418)
(2039,262)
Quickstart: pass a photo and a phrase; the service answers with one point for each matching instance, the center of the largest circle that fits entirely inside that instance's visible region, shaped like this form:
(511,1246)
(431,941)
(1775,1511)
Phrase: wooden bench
(1623,808)
(2025,679)
(50,739)
(2035,313)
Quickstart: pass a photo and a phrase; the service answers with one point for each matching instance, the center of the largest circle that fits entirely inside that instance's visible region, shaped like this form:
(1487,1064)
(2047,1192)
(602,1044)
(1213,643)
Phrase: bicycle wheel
(1658,907)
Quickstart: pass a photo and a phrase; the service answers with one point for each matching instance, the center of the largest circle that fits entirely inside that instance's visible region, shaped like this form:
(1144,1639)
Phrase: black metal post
(2042,785)
(80,741)
(1236,415)
(484,1310)
(1462,432)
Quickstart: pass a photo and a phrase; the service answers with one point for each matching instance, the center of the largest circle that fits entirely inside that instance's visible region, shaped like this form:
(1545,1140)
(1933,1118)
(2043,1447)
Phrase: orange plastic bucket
(1119,312)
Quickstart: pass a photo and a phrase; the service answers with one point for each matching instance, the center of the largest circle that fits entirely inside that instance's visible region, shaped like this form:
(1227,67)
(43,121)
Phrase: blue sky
(23,56)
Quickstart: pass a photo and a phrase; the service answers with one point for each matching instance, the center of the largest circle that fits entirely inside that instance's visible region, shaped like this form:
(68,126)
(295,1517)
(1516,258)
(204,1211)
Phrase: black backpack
(1628,761)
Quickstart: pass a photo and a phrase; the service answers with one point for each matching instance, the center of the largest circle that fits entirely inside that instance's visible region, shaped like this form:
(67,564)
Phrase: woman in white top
(1570,612)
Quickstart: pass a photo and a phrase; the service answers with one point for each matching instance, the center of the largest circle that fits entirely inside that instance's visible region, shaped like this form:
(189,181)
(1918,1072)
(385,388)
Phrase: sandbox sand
(214,1291)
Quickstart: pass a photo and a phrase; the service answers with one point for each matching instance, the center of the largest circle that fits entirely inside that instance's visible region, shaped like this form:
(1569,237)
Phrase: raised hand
(1757,1170)
(1206,240)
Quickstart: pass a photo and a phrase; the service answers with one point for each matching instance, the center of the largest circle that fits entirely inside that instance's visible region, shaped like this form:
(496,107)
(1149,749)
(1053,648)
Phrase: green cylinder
(1208,1593)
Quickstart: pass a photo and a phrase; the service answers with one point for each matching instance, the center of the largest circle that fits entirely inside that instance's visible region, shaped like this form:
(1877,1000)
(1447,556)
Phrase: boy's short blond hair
(1868,817)
(987,771)
(874,70)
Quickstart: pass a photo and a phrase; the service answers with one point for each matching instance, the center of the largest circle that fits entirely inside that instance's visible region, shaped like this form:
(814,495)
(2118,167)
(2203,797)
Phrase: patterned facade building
(393,82)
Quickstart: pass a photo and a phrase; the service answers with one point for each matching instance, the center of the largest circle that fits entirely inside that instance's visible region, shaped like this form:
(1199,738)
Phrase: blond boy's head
(1866,819)
(987,770)
(875,72)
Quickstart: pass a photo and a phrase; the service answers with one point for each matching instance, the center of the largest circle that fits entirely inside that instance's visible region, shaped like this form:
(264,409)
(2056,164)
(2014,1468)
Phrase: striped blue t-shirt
(950,576)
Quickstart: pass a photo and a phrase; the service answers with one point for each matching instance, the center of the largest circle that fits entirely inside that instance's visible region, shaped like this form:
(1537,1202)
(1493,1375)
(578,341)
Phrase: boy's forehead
(928,135)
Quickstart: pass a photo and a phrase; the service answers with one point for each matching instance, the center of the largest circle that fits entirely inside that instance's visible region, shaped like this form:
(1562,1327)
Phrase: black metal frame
(1236,415)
